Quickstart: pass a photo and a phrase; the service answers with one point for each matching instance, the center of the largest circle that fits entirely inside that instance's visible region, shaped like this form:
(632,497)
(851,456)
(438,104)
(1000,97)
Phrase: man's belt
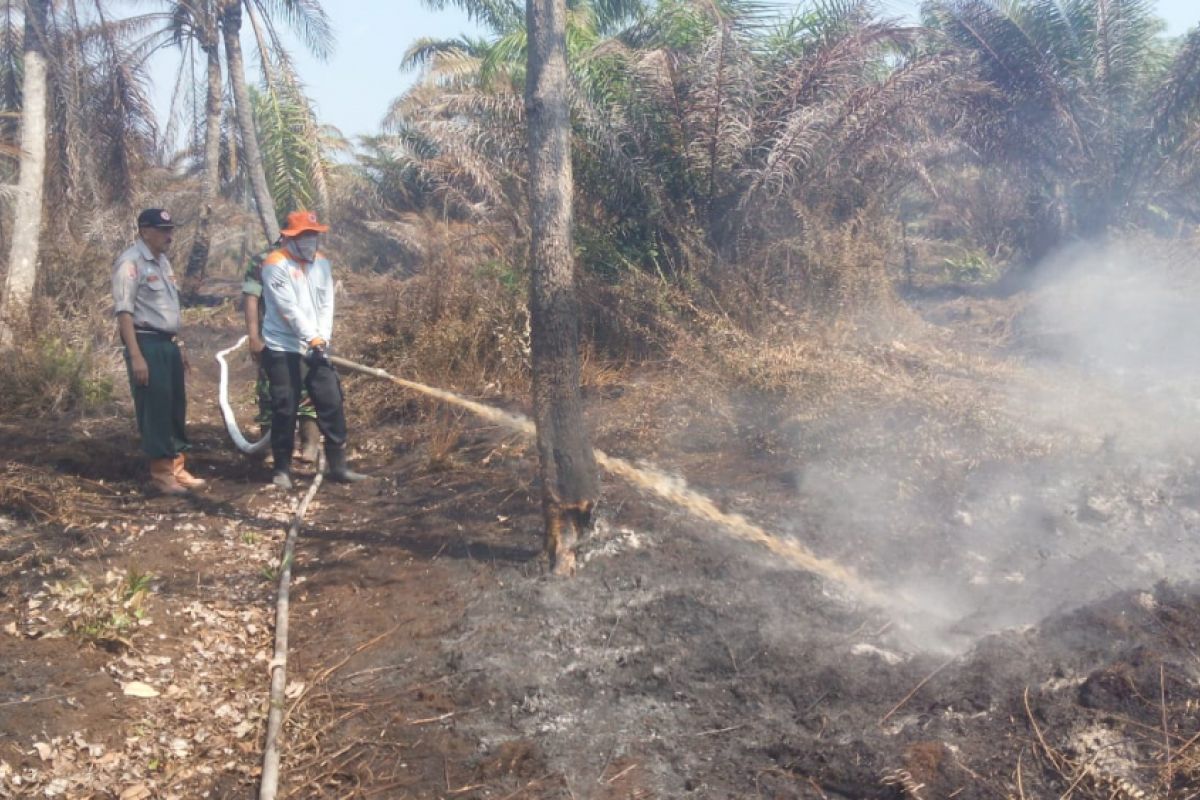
(143,330)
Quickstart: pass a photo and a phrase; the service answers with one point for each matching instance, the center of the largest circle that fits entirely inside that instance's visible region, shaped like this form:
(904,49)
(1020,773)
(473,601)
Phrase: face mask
(305,246)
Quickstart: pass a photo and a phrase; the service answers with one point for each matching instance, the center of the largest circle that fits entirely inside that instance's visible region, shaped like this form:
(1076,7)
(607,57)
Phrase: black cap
(155,218)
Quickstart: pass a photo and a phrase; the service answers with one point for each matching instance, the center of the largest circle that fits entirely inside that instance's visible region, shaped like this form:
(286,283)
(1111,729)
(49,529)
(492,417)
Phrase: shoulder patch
(274,257)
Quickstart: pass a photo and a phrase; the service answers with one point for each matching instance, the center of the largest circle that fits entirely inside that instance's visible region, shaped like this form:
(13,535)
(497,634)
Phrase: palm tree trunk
(567,471)
(27,214)
(231,18)
(198,258)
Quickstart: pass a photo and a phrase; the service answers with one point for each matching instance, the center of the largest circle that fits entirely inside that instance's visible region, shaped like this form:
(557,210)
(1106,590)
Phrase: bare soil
(1043,642)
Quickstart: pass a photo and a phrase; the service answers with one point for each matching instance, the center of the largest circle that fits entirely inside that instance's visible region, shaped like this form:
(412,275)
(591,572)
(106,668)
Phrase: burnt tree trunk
(198,258)
(567,469)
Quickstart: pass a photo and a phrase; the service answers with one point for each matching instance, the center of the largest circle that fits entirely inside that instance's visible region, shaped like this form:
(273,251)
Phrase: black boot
(337,470)
(282,477)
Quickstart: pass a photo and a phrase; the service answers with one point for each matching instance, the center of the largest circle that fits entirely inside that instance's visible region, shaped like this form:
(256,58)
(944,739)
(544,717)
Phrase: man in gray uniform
(146,302)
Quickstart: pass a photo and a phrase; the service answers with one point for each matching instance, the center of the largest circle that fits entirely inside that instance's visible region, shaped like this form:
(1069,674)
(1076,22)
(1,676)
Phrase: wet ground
(1040,639)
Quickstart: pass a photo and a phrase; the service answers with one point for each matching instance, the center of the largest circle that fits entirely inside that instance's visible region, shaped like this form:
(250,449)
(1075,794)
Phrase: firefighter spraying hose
(647,479)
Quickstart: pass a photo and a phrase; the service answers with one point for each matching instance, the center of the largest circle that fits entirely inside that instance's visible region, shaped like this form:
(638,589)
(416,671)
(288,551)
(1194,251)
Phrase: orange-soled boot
(184,478)
(162,477)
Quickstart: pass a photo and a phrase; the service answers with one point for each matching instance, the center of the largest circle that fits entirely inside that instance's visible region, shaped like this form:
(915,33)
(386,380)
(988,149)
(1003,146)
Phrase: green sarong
(161,406)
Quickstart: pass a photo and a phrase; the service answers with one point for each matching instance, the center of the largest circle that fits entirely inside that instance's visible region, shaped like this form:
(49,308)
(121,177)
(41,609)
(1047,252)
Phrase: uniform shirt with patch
(298,300)
(144,286)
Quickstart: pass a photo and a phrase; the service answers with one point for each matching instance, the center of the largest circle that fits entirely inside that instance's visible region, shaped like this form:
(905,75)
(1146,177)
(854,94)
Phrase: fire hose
(231,425)
(269,784)
(645,478)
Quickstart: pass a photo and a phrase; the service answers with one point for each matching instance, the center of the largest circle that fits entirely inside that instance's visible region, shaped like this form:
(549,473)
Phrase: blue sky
(354,87)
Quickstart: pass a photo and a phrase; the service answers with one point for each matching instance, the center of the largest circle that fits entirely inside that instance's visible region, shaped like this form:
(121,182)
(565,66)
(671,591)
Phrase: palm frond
(498,16)
(305,18)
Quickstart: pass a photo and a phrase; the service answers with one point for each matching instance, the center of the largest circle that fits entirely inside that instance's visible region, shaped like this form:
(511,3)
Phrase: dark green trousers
(161,406)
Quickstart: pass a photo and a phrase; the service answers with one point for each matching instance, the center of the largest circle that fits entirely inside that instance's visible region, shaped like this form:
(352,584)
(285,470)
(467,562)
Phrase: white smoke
(1101,495)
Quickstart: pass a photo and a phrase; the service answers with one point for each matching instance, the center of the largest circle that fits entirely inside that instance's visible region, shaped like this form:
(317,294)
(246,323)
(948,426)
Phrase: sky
(353,89)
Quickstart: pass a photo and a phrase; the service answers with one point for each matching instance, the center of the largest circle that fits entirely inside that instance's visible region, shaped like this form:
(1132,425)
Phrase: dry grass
(46,497)
(441,436)
(460,324)
(827,269)
(58,363)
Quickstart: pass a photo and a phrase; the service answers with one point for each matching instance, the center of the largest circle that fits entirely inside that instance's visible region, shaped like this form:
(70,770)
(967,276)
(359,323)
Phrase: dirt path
(115,591)
(432,658)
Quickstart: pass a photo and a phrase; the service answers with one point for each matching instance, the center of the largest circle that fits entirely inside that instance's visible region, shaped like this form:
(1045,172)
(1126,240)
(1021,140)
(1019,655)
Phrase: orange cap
(300,221)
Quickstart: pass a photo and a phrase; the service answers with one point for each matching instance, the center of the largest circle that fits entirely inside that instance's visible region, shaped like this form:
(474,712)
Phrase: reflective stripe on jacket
(298,300)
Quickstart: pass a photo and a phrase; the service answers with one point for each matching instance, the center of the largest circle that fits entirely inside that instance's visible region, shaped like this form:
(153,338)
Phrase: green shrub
(46,374)
(972,267)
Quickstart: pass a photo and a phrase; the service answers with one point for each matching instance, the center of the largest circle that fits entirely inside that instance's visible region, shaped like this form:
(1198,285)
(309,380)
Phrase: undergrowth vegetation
(57,365)
(750,185)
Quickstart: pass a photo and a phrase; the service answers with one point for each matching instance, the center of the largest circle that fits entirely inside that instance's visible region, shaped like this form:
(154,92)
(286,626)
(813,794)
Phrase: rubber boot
(184,478)
(162,477)
(337,470)
(310,440)
(282,476)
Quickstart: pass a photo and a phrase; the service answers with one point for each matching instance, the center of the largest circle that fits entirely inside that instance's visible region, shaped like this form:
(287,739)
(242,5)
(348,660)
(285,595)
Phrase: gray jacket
(144,286)
(298,300)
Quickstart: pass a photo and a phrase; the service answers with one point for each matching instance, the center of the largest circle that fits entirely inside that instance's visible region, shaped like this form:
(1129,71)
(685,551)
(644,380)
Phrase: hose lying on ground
(231,425)
(270,770)
(269,785)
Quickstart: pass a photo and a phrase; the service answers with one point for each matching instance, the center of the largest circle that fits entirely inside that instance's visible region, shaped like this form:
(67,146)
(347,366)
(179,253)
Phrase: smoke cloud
(1075,479)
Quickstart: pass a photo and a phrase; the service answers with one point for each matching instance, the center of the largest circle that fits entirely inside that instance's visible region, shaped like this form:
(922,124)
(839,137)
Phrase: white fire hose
(231,425)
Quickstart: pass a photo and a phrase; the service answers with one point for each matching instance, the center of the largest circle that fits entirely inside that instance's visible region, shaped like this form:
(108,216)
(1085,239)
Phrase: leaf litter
(186,671)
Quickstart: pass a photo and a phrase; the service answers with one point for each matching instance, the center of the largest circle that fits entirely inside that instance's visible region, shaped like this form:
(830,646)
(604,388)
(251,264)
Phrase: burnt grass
(440,660)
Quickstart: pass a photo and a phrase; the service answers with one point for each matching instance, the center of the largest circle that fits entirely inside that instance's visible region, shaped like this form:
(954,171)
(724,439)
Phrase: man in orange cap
(297,328)
(310,434)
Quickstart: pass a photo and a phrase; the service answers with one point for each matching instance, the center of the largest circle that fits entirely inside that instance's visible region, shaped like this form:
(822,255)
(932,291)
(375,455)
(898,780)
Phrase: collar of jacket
(144,250)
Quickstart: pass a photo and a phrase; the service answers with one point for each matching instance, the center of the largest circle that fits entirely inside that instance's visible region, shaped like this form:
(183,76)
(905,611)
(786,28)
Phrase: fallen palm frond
(46,497)
(907,784)
(1121,760)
